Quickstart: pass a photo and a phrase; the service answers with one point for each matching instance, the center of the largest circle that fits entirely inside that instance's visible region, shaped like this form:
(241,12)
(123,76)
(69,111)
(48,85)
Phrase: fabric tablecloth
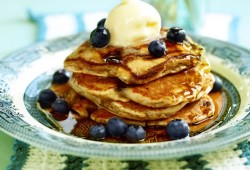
(28,157)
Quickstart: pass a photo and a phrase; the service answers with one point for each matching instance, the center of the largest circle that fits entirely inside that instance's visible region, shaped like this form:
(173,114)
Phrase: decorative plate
(23,74)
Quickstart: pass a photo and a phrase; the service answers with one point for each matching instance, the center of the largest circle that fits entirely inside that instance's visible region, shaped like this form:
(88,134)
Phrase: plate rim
(74,40)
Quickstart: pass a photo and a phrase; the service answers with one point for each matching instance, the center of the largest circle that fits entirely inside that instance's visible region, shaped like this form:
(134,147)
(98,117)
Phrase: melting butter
(132,21)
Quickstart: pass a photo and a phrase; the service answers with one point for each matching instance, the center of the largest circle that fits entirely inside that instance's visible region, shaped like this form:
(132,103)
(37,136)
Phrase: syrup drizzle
(79,126)
(113,59)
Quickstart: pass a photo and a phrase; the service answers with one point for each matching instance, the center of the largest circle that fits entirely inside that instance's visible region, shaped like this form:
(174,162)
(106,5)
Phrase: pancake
(136,111)
(130,109)
(166,91)
(169,90)
(102,87)
(102,116)
(133,64)
(192,113)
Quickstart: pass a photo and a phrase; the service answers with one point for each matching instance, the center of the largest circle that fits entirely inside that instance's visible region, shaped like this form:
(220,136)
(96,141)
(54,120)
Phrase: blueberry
(99,37)
(177,129)
(97,132)
(157,48)
(135,133)
(116,127)
(217,84)
(60,106)
(60,76)
(101,22)
(176,34)
(46,98)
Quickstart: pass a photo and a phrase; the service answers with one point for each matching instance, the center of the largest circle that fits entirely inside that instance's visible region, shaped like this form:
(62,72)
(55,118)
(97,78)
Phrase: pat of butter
(132,21)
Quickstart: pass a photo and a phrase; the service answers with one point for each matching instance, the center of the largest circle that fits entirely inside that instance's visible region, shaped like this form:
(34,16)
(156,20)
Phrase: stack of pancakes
(130,83)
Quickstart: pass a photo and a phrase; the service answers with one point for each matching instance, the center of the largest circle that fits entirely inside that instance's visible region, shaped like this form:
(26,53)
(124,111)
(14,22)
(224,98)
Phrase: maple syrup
(79,126)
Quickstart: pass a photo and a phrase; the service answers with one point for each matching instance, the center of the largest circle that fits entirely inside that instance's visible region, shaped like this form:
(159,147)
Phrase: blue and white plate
(25,72)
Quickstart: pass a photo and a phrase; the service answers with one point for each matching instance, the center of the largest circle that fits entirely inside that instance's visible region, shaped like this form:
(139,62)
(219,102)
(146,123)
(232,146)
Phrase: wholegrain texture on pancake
(134,64)
(102,87)
(132,110)
(171,90)
(192,113)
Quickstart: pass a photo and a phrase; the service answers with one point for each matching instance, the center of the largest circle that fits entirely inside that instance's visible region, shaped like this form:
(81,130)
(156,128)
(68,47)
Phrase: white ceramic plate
(24,73)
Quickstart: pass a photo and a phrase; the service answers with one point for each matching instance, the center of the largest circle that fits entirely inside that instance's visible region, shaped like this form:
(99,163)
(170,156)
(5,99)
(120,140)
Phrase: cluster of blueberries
(158,48)
(100,37)
(48,99)
(116,127)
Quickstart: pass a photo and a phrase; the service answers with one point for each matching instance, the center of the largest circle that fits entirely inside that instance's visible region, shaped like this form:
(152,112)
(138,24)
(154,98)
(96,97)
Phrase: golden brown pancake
(171,90)
(134,113)
(103,87)
(155,100)
(192,113)
(130,109)
(102,116)
(133,110)
(134,64)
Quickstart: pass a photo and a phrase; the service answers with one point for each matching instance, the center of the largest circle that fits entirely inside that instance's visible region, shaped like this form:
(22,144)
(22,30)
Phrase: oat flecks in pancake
(155,100)
(167,91)
(192,113)
(171,90)
(136,65)
(102,87)
(130,109)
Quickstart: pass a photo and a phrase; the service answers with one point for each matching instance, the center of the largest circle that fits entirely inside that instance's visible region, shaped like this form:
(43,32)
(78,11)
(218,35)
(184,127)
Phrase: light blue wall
(17,31)
(238,8)
(15,26)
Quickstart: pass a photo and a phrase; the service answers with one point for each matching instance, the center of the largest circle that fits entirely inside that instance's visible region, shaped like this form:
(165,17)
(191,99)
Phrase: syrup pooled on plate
(77,125)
